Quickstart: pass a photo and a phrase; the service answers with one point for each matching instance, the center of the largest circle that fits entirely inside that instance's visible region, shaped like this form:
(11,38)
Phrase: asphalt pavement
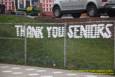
(9,70)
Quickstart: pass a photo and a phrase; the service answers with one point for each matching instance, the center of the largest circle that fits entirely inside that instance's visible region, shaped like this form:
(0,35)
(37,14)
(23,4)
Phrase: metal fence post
(25,46)
(65,45)
(114,50)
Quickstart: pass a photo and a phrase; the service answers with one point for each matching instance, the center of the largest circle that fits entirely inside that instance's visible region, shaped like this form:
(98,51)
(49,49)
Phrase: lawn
(81,53)
(16,19)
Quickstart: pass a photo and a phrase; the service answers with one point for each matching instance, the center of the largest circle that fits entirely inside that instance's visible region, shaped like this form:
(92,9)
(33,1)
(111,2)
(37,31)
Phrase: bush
(21,10)
(33,11)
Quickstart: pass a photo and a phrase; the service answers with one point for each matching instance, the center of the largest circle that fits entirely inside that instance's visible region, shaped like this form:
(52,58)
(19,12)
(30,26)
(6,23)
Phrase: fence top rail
(90,22)
(105,21)
(10,38)
(32,23)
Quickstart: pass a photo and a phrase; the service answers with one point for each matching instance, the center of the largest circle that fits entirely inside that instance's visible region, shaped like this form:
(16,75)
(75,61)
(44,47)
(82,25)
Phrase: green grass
(81,53)
(16,19)
(90,53)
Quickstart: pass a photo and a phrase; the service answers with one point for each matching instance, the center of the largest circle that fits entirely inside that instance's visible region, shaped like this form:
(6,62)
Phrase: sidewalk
(8,70)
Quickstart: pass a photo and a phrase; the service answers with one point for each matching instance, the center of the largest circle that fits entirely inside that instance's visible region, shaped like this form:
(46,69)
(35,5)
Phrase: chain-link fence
(83,45)
(94,46)
(11,47)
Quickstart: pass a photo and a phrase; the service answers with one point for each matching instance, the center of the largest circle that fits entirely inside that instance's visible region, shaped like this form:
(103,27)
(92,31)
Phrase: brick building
(46,6)
(18,4)
(21,4)
(8,4)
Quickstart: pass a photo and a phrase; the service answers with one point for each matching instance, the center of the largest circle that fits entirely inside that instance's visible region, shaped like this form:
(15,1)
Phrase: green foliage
(33,12)
(21,10)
